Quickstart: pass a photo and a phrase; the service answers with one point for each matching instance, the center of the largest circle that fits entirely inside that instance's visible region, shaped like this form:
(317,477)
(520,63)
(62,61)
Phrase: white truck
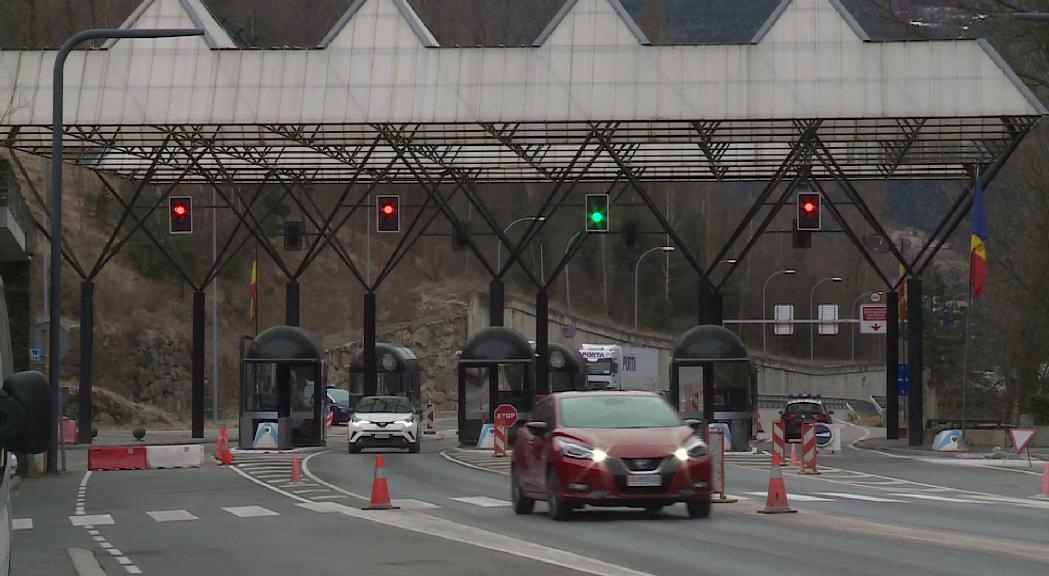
(618,367)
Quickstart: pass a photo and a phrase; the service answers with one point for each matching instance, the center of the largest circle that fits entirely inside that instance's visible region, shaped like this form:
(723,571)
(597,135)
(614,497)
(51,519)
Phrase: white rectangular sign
(828,319)
(873,318)
(783,314)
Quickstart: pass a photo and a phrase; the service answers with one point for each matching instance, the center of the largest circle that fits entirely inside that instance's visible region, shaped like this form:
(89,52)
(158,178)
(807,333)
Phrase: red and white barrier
(808,448)
(430,419)
(779,440)
(116,458)
(185,456)
(499,440)
(716,444)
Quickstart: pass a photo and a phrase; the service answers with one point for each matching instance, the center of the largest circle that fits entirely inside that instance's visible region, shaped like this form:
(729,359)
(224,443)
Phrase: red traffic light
(388,209)
(809,211)
(388,213)
(180,215)
(809,207)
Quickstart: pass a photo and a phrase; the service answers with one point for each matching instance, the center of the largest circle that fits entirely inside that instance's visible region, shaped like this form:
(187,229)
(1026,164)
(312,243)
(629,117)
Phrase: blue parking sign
(34,354)
(903,378)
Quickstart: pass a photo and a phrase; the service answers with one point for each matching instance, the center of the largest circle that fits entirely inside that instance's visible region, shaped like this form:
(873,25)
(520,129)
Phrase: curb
(866,445)
(447,456)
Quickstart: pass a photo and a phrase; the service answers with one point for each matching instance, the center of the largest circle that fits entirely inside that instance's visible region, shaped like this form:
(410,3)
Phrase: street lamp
(55,296)
(764,317)
(568,287)
(856,328)
(499,246)
(812,314)
(637,267)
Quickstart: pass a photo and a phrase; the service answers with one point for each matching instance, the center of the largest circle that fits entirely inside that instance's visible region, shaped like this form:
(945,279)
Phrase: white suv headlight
(407,423)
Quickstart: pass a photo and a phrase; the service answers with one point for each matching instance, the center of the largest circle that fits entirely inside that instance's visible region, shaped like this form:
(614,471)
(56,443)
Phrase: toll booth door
(689,401)
(306,420)
(474,402)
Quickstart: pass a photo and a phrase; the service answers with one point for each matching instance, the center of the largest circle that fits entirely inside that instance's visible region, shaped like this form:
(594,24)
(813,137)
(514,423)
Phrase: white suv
(384,421)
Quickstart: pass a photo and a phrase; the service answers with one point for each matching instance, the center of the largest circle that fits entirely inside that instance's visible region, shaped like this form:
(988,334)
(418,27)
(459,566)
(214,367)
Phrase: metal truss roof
(381,82)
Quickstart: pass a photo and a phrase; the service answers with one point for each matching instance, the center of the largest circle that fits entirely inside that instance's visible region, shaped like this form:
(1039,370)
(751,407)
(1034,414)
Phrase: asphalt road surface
(866,514)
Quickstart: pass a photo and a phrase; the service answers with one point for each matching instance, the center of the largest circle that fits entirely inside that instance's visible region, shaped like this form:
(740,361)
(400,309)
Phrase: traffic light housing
(388,213)
(294,235)
(180,214)
(597,217)
(809,211)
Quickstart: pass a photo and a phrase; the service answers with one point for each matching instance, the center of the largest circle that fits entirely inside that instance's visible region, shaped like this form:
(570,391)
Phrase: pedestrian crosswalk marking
(412,504)
(171,515)
(22,524)
(861,497)
(322,507)
(92,520)
(249,511)
(939,498)
(328,497)
(482,501)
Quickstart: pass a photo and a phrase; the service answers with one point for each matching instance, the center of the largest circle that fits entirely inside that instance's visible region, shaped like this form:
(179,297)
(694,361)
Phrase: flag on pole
(252,312)
(902,300)
(977,243)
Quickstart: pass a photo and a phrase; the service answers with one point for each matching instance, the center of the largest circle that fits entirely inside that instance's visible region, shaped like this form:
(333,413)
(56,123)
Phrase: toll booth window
(303,387)
(511,383)
(262,395)
(732,386)
(475,392)
(690,390)
(391,384)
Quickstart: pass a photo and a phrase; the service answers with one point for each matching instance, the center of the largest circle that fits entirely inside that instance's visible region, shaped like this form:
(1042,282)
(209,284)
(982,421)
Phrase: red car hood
(632,442)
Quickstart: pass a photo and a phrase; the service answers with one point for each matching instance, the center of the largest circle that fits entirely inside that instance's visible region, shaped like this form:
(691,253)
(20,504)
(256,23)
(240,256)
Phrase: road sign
(827,315)
(34,354)
(875,297)
(1021,437)
(505,415)
(824,434)
(783,315)
(873,318)
(903,378)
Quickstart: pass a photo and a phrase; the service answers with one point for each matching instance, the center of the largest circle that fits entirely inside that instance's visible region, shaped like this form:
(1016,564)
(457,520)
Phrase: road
(866,514)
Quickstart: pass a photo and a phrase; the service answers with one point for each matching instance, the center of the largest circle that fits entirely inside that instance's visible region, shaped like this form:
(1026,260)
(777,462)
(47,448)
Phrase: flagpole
(256,287)
(965,349)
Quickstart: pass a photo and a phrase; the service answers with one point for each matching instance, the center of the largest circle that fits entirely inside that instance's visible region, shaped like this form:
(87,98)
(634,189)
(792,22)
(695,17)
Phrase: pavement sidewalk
(900,447)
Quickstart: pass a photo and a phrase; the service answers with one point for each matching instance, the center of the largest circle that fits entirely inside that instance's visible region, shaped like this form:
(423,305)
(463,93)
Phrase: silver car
(384,421)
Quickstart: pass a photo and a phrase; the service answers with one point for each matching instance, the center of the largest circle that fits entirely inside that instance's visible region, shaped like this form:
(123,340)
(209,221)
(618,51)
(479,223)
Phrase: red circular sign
(505,415)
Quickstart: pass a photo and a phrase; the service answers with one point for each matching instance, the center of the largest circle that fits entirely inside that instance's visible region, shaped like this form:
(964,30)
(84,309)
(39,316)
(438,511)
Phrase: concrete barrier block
(116,458)
(179,456)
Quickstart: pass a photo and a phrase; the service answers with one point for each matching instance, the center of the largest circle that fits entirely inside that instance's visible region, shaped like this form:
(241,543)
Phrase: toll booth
(397,374)
(282,390)
(711,379)
(567,369)
(497,366)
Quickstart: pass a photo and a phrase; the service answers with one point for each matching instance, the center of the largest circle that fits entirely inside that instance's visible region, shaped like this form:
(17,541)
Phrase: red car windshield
(607,411)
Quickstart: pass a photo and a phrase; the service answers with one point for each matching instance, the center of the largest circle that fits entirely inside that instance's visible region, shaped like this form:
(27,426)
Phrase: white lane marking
(83,481)
(454,460)
(322,507)
(312,476)
(93,532)
(794,497)
(114,552)
(1026,502)
(250,511)
(93,520)
(938,498)
(299,485)
(861,497)
(329,497)
(132,569)
(84,562)
(730,496)
(412,504)
(105,544)
(22,524)
(482,501)
(269,486)
(124,560)
(171,515)
(99,538)
(310,490)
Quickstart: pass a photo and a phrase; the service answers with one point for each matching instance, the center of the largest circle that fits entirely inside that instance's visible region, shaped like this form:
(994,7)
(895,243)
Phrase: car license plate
(644,480)
(381,436)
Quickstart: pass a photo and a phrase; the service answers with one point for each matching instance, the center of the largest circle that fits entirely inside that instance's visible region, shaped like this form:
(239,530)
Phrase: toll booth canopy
(711,379)
(282,390)
(497,366)
(567,369)
(397,374)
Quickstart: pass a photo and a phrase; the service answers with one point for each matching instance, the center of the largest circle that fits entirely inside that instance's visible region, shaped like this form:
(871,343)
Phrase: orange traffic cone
(794,462)
(296,473)
(380,491)
(776,499)
(1045,482)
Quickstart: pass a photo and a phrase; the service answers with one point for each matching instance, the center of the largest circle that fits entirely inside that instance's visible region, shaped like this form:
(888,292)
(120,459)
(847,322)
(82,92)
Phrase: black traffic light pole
(57,240)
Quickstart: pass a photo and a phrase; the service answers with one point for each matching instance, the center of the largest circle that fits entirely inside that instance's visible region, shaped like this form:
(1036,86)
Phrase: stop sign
(505,415)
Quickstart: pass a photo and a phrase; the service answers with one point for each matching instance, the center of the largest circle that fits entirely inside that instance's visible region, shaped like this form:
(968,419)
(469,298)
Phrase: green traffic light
(597,217)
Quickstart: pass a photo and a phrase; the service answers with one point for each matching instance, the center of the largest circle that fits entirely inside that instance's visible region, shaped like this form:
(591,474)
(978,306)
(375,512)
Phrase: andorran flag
(978,243)
(253,311)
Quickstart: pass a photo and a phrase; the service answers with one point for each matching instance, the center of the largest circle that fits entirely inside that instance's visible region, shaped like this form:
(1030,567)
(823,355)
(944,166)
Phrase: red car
(609,449)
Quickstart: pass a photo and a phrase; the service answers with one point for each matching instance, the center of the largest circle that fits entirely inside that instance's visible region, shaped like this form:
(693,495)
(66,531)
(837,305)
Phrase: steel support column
(915,390)
(87,354)
(371,377)
(892,360)
(197,391)
(542,345)
(709,310)
(496,302)
(291,302)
